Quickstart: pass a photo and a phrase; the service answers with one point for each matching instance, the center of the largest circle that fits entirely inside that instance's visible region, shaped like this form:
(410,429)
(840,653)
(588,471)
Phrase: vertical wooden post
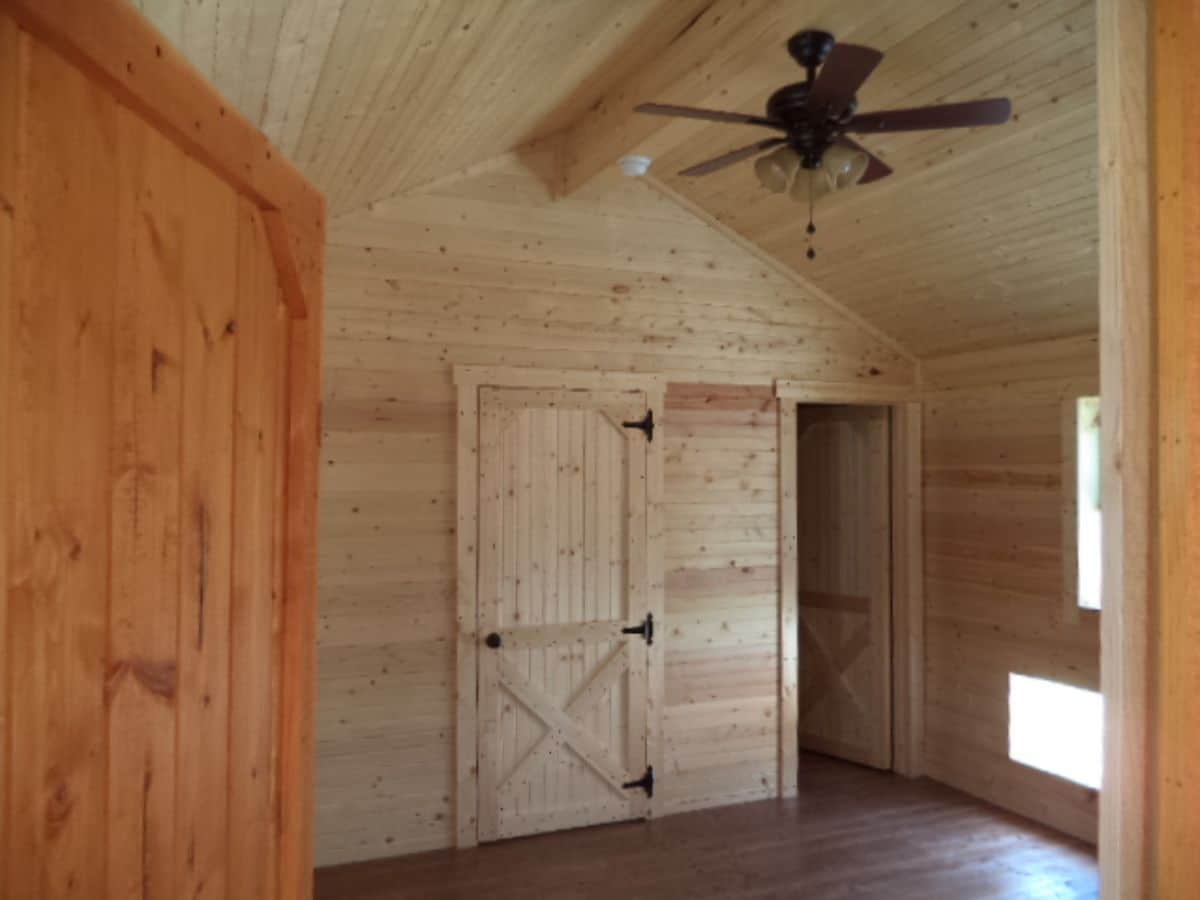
(908,607)
(1176,678)
(656,577)
(1124,35)
(789,623)
(466,797)
(12,69)
(299,651)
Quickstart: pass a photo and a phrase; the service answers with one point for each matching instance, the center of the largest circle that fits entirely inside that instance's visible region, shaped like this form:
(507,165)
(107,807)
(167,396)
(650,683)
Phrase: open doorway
(851,576)
(843,480)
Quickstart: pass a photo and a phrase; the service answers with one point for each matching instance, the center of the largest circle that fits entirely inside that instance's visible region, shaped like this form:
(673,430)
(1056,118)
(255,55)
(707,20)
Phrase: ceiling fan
(815,116)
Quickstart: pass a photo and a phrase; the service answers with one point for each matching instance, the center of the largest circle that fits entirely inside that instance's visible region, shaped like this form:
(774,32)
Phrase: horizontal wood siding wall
(488,269)
(722,640)
(993,450)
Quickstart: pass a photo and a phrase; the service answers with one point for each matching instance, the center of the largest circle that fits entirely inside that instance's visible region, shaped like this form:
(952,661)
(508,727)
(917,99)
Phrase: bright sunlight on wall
(1056,728)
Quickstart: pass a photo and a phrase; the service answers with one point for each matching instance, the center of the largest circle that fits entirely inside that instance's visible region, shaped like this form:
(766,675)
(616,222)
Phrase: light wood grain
(1018,262)
(331,81)
(562,488)
(613,276)
(908,592)
(789,601)
(1125,38)
(993,562)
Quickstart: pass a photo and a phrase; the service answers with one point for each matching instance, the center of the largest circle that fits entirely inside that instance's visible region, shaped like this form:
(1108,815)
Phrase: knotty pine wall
(993,452)
(486,268)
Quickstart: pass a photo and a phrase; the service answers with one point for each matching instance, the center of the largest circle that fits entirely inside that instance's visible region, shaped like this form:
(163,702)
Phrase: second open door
(845,582)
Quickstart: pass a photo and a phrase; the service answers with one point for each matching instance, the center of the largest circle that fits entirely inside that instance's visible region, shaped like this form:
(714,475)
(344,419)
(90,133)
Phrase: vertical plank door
(562,571)
(845,582)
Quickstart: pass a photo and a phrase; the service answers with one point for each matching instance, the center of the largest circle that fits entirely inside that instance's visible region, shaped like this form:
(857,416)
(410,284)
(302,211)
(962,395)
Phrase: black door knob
(493,641)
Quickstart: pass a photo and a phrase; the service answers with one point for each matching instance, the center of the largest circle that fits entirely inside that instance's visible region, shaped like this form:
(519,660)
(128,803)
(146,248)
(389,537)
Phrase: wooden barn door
(158,401)
(563,686)
(843,491)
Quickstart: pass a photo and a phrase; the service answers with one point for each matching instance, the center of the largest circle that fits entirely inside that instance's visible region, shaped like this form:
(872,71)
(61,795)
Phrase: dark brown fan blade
(728,159)
(995,111)
(844,72)
(709,115)
(876,167)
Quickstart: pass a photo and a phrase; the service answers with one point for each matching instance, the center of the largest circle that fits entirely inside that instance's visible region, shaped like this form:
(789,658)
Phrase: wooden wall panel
(722,634)
(145,356)
(993,567)
(488,269)
(59,379)
(254,602)
(145,541)
(209,271)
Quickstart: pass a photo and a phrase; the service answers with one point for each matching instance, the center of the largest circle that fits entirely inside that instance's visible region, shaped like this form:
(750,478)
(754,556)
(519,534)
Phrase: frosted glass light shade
(776,170)
(843,166)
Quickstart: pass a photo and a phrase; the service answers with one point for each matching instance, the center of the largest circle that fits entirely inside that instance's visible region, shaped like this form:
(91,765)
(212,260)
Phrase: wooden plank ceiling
(369,97)
(982,237)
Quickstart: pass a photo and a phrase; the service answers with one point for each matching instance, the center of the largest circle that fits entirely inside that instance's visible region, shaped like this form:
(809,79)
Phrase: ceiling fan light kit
(814,117)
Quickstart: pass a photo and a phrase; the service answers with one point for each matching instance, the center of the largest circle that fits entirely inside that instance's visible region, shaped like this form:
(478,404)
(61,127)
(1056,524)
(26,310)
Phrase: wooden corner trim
(119,48)
(280,240)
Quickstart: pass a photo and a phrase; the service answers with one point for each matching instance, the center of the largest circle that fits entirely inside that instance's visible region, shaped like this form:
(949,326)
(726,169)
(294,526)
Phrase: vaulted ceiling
(981,238)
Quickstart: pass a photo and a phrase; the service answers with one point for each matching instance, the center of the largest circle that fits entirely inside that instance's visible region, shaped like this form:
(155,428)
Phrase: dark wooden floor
(852,834)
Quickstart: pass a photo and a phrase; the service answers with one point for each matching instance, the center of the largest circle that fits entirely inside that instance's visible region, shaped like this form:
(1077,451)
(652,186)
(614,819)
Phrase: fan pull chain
(812,229)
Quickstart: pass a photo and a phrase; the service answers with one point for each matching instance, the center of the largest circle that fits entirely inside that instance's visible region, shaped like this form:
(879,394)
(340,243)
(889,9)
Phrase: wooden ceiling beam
(700,59)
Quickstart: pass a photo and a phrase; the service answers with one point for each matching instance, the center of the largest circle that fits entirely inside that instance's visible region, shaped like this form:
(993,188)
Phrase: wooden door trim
(566,379)
(468,381)
(116,46)
(907,568)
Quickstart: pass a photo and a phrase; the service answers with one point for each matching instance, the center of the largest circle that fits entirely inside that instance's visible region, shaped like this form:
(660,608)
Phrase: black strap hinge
(646,782)
(646,425)
(645,629)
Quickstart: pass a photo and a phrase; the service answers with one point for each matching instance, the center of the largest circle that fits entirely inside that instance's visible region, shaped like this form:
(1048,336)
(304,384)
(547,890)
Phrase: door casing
(907,568)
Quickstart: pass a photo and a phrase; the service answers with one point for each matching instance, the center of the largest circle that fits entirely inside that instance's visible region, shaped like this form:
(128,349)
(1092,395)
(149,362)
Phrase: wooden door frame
(908,619)
(468,380)
(1149,402)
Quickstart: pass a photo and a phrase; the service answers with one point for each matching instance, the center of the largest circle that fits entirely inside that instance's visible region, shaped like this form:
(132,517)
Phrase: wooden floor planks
(851,833)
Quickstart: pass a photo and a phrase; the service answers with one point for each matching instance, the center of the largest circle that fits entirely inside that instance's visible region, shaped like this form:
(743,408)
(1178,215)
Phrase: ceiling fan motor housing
(808,134)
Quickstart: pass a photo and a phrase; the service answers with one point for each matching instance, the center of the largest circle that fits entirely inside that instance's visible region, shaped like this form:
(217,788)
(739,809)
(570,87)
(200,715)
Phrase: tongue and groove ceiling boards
(372,97)
(981,238)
